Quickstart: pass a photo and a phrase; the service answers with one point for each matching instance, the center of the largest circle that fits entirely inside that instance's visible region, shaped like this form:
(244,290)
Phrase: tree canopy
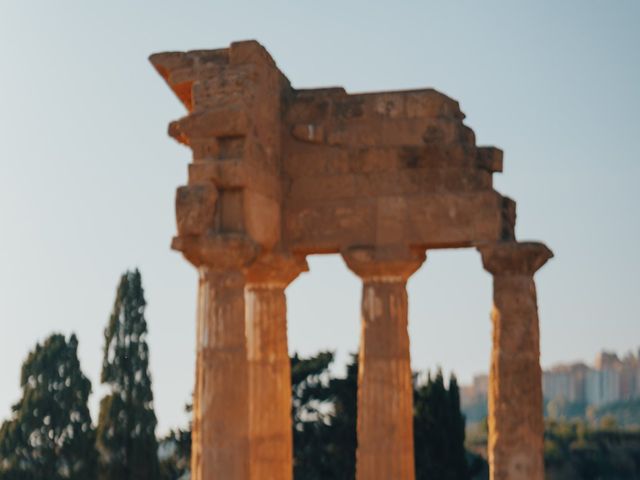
(325,415)
(439,431)
(127,423)
(50,435)
(324,418)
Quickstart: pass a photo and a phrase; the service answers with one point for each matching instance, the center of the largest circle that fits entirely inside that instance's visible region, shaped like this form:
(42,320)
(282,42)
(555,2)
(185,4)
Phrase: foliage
(439,430)
(573,450)
(175,452)
(177,461)
(325,413)
(126,427)
(324,416)
(625,412)
(50,436)
(561,409)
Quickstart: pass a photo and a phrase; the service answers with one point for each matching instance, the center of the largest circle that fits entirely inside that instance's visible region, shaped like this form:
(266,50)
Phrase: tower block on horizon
(280,173)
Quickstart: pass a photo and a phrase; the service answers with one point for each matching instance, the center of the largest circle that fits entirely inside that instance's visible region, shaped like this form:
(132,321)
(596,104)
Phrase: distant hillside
(575,451)
(625,414)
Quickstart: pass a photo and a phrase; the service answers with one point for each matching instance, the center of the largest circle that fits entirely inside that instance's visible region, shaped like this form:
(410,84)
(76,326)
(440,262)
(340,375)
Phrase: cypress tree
(176,464)
(50,436)
(457,452)
(310,394)
(325,414)
(439,431)
(126,430)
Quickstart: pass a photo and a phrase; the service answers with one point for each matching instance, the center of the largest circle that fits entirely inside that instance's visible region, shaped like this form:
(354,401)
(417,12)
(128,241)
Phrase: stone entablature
(279,173)
(321,170)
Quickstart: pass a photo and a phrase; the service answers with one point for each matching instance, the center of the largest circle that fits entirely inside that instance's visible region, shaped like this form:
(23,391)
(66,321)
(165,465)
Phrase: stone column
(270,434)
(516,426)
(385,384)
(221,407)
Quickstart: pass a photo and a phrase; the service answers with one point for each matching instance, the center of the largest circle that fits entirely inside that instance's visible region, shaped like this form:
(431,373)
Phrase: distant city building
(566,381)
(609,380)
(630,377)
(476,392)
(607,361)
(602,386)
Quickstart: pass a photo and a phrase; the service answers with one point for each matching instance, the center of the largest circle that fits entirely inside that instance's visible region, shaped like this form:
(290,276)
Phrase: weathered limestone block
(309,132)
(270,429)
(225,251)
(490,159)
(195,208)
(516,425)
(210,123)
(234,130)
(298,172)
(385,385)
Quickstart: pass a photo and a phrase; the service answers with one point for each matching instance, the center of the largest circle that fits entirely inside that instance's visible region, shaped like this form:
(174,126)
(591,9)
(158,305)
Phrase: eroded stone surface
(279,173)
(220,445)
(516,427)
(322,170)
(385,384)
(270,425)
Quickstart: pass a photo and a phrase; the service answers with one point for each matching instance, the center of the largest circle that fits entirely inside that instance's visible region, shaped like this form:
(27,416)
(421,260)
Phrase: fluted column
(220,420)
(270,429)
(221,394)
(385,386)
(516,424)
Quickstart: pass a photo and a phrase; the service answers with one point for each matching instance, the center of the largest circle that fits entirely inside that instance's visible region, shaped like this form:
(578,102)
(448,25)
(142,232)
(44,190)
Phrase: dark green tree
(324,419)
(458,455)
(310,394)
(175,463)
(50,436)
(325,414)
(341,448)
(126,429)
(439,431)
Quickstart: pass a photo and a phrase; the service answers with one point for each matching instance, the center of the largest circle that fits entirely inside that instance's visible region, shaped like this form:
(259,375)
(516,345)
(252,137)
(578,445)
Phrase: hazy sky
(88,174)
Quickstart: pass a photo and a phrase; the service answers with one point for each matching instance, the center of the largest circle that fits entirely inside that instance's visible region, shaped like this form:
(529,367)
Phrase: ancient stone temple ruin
(381,178)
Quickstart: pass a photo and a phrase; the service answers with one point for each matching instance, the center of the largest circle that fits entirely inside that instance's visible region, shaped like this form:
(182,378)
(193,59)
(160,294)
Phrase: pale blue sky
(88,174)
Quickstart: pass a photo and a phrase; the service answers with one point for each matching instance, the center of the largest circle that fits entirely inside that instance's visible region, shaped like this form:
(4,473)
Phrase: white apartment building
(602,386)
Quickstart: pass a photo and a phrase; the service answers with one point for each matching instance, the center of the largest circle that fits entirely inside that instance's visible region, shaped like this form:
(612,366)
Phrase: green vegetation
(126,427)
(325,412)
(625,413)
(573,450)
(439,431)
(177,462)
(324,419)
(50,435)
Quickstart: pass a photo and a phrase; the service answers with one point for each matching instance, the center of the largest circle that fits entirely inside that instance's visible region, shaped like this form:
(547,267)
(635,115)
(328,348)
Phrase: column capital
(276,269)
(217,251)
(385,264)
(515,258)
